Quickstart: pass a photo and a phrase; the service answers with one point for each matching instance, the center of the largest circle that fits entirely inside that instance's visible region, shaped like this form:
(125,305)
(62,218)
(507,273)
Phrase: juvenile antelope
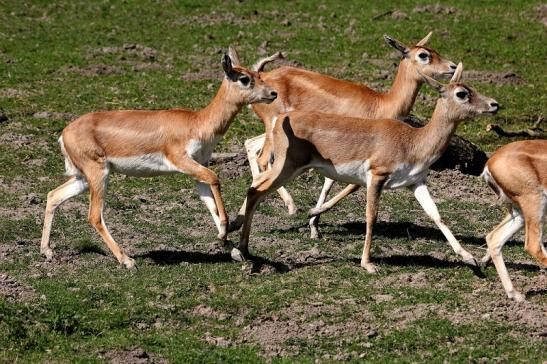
(517,172)
(301,90)
(384,153)
(151,143)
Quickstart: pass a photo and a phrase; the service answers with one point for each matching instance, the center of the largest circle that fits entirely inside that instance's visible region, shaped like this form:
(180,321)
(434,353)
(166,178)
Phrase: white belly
(358,172)
(146,165)
(352,172)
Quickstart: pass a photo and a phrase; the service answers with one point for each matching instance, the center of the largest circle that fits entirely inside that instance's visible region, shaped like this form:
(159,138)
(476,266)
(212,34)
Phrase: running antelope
(301,90)
(383,153)
(517,172)
(151,143)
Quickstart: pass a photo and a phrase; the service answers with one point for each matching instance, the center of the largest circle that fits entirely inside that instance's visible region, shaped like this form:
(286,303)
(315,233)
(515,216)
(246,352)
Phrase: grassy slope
(85,309)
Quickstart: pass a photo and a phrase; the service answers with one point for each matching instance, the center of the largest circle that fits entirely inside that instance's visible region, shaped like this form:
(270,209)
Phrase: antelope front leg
(205,176)
(424,198)
(261,147)
(206,195)
(374,189)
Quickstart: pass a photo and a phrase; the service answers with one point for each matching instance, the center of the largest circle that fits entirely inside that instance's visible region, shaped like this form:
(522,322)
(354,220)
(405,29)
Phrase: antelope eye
(462,95)
(423,55)
(244,80)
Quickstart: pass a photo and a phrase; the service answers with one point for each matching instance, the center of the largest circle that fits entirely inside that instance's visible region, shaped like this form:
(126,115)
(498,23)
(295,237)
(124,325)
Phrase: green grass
(84,308)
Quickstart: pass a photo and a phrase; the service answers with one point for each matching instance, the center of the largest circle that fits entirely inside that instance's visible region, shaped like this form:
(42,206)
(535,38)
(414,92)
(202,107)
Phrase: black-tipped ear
(228,69)
(434,83)
(397,45)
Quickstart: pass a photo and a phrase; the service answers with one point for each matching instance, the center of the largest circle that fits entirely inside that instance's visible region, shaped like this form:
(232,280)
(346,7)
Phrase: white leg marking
(314,221)
(206,196)
(71,188)
(424,198)
(253,147)
(496,240)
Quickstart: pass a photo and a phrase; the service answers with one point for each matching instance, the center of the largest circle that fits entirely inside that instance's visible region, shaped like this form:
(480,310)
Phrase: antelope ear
(457,74)
(425,40)
(397,45)
(434,83)
(233,56)
(228,69)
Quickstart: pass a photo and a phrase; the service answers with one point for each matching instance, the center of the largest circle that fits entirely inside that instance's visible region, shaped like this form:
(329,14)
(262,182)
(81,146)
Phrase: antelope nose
(494,105)
(453,66)
(273,94)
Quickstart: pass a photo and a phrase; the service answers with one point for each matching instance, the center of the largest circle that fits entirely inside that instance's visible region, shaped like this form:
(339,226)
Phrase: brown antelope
(382,153)
(517,172)
(303,90)
(151,143)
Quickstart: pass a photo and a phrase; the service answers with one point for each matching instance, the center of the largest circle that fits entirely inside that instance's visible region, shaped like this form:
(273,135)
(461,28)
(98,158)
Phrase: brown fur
(517,172)
(302,90)
(92,142)
(304,140)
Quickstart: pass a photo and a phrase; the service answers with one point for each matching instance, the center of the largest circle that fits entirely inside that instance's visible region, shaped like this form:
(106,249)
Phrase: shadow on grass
(422,261)
(392,230)
(171,257)
(536,292)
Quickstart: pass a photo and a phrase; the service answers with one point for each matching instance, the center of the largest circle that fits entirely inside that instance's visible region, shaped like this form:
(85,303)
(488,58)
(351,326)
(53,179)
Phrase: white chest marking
(201,151)
(407,175)
(146,165)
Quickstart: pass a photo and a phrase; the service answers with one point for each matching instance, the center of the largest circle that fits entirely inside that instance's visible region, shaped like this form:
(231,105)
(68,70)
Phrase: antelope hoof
(129,263)
(238,255)
(314,234)
(469,259)
(517,296)
(292,209)
(48,253)
(371,268)
(485,260)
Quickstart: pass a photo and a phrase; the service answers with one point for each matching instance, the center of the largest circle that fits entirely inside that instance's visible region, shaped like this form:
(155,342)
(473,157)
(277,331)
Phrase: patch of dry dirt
(470,188)
(139,57)
(14,93)
(14,291)
(214,18)
(133,356)
(542,11)
(217,340)
(496,78)
(93,70)
(232,166)
(52,115)
(435,9)
(128,49)
(207,312)
(415,280)
(273,332)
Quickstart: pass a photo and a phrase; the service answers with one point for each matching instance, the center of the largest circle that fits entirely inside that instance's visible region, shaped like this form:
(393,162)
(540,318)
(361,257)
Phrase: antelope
(304,90)
(151,143)
(383,153)
(518,175)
